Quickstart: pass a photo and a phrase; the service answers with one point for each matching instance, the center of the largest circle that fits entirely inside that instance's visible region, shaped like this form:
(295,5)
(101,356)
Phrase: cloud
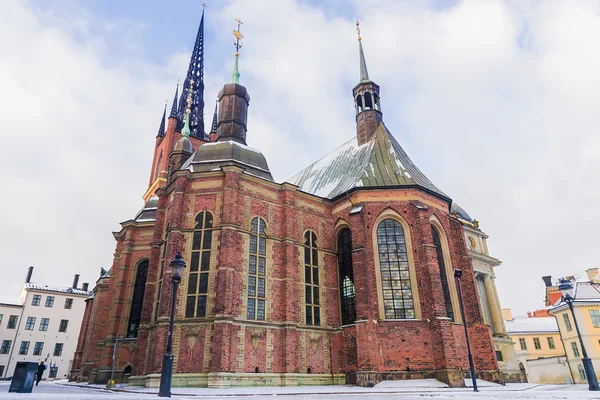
(495,101)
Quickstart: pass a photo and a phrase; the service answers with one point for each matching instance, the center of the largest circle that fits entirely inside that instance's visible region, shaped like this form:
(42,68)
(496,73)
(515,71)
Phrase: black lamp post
(568,291)
(457,275)
(177,267)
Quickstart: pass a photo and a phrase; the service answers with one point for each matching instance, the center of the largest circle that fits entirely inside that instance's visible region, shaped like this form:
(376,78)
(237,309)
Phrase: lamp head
(177,267)
(567,289)
(458,273)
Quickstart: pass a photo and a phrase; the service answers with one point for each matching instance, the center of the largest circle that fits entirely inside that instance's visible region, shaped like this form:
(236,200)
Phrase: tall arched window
(311,279)
(157,169)
(257,270)
(137,300)
(443,273)
(395,273)
(197,292)
(346,276)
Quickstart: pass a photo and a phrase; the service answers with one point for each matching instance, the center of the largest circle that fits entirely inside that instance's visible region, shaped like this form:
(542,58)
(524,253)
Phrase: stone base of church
(453,378)
(512,376)
(224,380)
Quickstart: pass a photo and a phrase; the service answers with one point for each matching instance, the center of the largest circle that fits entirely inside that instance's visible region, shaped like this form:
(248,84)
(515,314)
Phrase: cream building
(537,345)
(484,266)
(587,312)
(45,327)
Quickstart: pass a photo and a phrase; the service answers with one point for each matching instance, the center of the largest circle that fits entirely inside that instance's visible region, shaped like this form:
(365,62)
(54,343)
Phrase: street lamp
(457,274)
(177,267)
(568,292)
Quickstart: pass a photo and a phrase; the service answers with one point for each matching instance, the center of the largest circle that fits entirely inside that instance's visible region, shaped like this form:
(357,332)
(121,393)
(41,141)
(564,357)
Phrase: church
(341,274)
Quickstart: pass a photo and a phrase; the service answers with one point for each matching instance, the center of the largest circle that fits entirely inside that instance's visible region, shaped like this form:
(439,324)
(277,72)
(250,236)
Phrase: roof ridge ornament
(235,75)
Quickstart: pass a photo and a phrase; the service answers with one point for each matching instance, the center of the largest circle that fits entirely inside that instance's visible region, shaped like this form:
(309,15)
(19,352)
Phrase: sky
(495,101)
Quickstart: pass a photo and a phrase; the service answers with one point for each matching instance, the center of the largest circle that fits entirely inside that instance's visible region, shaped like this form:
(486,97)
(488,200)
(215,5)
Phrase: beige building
(587,311)
(484,266)
(538,348)
(44,327)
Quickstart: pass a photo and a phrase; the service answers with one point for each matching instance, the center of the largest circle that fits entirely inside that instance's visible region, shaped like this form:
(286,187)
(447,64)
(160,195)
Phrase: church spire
(366,100)
(161,128)
(235,75)
(194,82)
(213,128)
(174,105)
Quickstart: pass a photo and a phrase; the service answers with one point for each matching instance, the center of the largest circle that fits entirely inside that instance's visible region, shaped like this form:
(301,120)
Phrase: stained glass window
(197,291)
(346,276)
(311,279)
(257,270)
(395,273)
(137,301)
(443,273)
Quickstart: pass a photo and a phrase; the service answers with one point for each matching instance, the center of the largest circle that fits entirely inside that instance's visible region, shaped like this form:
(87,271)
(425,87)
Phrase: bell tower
(366,100)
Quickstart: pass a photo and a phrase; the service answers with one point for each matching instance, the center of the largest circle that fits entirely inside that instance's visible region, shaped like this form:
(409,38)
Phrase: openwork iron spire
(364,74)
(235,75)
(194,83)
(174,105)
(213,128)
(161,128)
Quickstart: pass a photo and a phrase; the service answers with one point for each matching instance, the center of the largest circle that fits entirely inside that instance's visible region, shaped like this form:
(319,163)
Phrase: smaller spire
(161,128)
(185,132)
(364,74)
(213,128)
(174,105)
(235,75)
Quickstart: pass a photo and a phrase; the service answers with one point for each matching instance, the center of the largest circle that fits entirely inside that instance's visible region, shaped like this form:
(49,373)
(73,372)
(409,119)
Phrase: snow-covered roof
(531,325)
(381,162)
(61,289)
(585,292)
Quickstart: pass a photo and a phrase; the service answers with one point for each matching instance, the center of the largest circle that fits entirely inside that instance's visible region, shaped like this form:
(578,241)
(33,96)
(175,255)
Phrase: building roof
(381,162)
(148,212)
(56,289)
(11,305)
(585,292)
(531,325)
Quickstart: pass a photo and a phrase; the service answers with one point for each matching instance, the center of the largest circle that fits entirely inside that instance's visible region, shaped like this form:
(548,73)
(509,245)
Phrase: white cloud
(495,101)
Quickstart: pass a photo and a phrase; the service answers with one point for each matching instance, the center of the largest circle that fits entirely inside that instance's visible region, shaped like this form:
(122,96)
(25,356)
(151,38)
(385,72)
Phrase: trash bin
(23,378)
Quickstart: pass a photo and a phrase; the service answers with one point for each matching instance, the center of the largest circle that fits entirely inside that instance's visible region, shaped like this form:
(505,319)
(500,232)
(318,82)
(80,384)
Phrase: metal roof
(61,289)
(381,162)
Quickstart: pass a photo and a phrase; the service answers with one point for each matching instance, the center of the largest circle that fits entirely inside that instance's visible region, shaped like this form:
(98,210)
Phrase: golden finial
(358,29)
(238,35)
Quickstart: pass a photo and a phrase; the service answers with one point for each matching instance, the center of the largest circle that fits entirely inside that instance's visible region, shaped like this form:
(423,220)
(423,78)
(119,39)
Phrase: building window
(346,276)
(536,343)
(551,343)
(595,314)
(137,301)
(24,349)
(257,269)
(64,323)
(197,292)
(58,348)
(30,324)
(499,355)
(68,304)
(12,322)
(575,349)
(443,273)
(5,346)
(523,343)
(567,322)
(53,372)
(311,279)
(581,372)
(35,301)
(1,370)
(37,349)
(395,274)
(44,324)
(49,301)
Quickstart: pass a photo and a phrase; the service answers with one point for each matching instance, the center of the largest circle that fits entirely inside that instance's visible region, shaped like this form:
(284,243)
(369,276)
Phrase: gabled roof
(381,162)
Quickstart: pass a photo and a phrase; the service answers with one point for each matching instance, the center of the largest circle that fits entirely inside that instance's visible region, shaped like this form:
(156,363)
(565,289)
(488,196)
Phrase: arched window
(157,170)
(197,292)
(395,274)
(311,279)
(368,101)
(443,272)
(137,300)
(359,103)
(257,270)
(346,276)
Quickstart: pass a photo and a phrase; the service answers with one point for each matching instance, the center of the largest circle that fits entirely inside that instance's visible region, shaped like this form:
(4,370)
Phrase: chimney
(85,286)
(529,314)
(29,273)
(507,314)
(75,281)
(593,275)
(547,280)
